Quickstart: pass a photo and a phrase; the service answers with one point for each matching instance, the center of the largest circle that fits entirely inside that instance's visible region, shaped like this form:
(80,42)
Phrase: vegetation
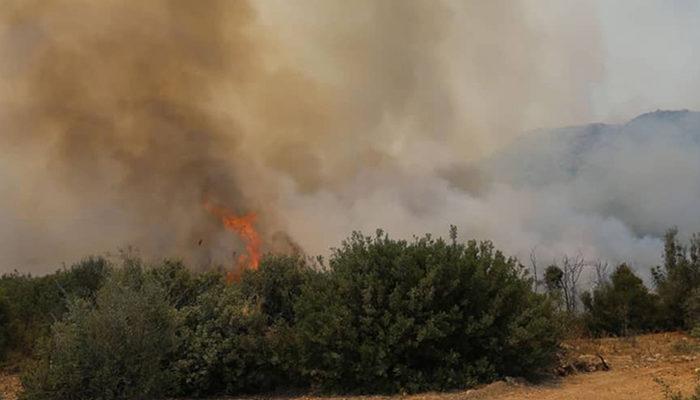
(241,338)
(4,326)
(398,316)
(382,315)
(670,394)
(677,281)
(29,305)
(621,306)
(114,347)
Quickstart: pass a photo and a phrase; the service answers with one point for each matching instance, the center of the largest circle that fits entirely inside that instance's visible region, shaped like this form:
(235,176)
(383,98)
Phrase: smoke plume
(120,118)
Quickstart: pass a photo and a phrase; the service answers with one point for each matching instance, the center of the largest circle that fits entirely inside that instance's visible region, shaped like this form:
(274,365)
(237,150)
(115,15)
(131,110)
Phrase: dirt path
(625,384)
(613,385)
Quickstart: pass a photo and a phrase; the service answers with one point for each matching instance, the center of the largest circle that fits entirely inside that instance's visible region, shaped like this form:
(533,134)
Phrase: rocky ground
(619,369)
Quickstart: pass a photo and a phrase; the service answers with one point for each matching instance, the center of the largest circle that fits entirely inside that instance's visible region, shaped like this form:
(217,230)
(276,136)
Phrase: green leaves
(621,306)
(112,348)
(383,316)
(422,315)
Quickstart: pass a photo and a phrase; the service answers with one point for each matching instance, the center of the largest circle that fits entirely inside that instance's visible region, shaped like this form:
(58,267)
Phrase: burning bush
(241,338)
(385,315)
(397,316)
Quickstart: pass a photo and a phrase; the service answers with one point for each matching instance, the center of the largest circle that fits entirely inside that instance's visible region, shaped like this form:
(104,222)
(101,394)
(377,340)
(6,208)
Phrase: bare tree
(533,263)
(601,272)
(573,268)
(562,277)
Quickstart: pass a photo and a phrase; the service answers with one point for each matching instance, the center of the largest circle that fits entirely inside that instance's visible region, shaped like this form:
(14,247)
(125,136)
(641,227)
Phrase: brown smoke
(120,117)
(117,96)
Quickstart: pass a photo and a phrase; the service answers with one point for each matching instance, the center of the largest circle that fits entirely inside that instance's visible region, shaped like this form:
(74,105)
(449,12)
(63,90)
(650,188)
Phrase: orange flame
(244,227)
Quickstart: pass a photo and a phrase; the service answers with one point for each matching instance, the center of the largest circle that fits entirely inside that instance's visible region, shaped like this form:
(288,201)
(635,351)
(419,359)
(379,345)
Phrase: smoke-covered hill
(605,191)
(646,172)
(635,179)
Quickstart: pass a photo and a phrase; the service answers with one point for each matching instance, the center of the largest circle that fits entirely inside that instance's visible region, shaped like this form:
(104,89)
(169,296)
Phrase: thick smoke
(111,120)
(120,118)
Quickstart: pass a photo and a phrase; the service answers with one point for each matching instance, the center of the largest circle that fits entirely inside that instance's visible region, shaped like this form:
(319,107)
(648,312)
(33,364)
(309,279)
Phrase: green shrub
(384,316)
(181,284)
(677,278)
(240,338)
(621,306)
(112,348)
(396,316)
(276,286)
(221,344)
(37,302)
(4,326)
(692,310)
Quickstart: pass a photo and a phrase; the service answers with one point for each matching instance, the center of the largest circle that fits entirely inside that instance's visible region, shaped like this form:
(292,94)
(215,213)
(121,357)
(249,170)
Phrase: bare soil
(636,363)
(10,386)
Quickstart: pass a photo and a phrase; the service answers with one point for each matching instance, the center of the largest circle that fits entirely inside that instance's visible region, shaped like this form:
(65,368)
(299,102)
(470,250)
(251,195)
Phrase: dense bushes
(383,315)
(240,338)
(114,347)
(4,326)
(29,305)
(621,306)
(677,279)
(398,316)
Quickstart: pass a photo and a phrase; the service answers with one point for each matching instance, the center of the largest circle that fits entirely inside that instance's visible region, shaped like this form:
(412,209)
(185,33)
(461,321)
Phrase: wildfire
(244,227)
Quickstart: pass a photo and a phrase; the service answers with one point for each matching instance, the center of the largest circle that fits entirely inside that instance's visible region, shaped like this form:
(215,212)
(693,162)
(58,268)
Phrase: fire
(244,226)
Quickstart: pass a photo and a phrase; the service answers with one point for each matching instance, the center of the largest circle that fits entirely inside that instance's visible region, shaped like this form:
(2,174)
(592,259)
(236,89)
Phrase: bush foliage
(114,347)
(621,306)
(29,305)
(383,315)
(677,281)
(240,338)
(398,316)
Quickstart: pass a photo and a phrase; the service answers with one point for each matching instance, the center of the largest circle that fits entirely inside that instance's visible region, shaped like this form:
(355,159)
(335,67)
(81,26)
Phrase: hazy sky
(651,57)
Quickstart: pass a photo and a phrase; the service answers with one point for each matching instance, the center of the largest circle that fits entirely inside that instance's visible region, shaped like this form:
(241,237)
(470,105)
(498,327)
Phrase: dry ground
(636,364)
(9,386)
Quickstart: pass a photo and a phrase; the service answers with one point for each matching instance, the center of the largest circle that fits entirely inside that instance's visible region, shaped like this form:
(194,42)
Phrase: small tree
(114,348)
(554,279)
(562,282)
(677,278)
(621,306)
